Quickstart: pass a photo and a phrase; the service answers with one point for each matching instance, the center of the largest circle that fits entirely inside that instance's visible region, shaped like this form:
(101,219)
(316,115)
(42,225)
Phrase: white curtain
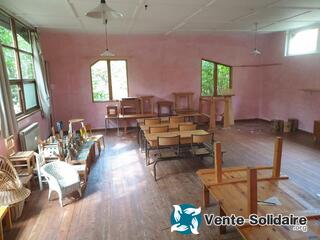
(8,123)
(40,72)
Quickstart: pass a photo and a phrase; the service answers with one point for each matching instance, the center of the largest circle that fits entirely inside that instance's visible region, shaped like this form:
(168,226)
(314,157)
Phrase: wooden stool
(294,124)
(165,104)
(6,216)
(316,131)
(277,126)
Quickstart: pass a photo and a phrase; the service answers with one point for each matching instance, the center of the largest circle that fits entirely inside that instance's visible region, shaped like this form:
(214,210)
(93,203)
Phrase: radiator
(28,137)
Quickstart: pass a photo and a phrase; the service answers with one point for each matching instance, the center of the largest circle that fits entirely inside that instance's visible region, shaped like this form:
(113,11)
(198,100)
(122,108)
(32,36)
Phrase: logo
(185,219)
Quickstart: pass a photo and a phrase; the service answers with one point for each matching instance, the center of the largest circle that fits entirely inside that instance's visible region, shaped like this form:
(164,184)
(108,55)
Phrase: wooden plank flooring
(122,201)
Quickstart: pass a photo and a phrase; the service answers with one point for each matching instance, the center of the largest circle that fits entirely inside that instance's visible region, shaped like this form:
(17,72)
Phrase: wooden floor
(122,201)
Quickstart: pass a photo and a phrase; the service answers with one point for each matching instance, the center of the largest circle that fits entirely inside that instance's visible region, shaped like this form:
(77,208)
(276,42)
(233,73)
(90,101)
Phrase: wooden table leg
(206,197)
(7,220)
(105,125)
(146,151)
(1,232)
(118,126)
(222,229)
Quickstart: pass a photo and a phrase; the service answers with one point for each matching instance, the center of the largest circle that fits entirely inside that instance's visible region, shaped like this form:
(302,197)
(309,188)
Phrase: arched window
(109,80)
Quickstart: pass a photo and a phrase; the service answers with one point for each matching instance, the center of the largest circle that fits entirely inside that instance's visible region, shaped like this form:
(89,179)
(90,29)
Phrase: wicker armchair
(62,178)
(12,192)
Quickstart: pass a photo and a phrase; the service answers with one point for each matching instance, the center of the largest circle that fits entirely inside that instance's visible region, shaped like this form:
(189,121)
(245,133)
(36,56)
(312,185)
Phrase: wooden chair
(187,127)
(152,121)
(202,145)
(23,161)
(176,119)
(97,138)
(159,129)
(168,149)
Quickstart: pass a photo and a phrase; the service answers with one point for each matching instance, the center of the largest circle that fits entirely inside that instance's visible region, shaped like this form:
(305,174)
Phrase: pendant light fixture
(103,11)
(106,53)
(256,51)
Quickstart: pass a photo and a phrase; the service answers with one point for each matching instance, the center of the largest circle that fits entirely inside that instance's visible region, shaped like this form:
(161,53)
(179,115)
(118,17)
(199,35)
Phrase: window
(304,41)
(16,44)
(215,78)
(109,80)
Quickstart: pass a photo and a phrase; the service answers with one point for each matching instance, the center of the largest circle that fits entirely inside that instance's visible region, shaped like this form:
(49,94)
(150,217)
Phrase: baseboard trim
(251,119)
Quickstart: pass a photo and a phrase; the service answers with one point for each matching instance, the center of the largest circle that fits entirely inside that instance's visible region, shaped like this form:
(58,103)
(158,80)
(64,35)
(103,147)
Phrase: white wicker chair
(62,178)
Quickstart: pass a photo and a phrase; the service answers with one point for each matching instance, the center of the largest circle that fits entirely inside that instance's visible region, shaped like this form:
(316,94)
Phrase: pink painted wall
(157,66)
(282,97)
(36,117)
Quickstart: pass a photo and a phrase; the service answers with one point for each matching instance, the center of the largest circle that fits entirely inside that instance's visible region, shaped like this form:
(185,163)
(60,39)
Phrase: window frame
(294,31)
(109,78)
(20,81)
(215,76)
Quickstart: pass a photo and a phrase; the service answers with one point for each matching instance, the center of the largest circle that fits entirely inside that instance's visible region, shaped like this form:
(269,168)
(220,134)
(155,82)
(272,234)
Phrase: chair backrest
(152,121)
(40,160)
(187,127)
(88,128)
(202,138)
(53,131)
(10,145)
(83,132)
(176,119)
(168,141)
(159,129)
(59,170)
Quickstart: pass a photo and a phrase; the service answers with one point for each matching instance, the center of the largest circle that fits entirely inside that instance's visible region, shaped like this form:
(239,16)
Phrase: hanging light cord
(106,22)
(255,35)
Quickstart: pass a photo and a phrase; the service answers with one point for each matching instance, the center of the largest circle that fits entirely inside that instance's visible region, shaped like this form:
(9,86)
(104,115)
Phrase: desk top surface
(76,120)
(133,116)
(22,155)
(233,200)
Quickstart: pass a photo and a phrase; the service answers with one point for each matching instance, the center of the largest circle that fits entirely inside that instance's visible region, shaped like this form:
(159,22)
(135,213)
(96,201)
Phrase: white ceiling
(169,16)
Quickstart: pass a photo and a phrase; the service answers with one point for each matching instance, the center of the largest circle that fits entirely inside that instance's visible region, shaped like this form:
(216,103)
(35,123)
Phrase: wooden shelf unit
(146,103)
(178,97)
